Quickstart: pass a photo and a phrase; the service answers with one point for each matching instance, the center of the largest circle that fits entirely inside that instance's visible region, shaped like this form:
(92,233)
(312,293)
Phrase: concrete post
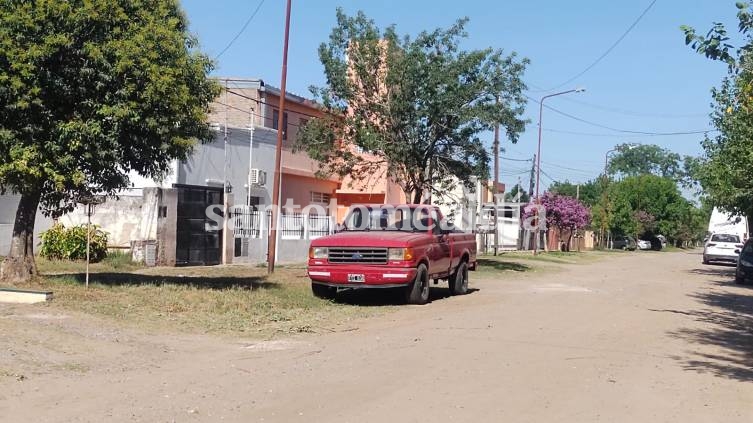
(228,237)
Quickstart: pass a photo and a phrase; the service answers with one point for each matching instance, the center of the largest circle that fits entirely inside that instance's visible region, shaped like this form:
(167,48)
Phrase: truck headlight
(400,254)
(318,252)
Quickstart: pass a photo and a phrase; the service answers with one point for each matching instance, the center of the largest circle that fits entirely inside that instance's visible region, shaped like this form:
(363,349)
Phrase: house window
(276,120)
(320,197)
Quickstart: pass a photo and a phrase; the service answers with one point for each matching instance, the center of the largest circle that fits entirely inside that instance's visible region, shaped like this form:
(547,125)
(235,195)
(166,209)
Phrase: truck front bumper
(373,276)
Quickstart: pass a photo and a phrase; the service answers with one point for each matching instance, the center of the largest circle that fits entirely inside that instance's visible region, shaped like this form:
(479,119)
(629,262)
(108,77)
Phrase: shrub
(61,243)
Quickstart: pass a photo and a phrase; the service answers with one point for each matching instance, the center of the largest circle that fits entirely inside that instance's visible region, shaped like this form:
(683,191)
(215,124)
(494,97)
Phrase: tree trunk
(19,265)
(418,195)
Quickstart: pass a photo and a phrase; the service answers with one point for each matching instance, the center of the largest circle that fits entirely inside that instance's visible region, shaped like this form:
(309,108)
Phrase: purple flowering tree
(564,213)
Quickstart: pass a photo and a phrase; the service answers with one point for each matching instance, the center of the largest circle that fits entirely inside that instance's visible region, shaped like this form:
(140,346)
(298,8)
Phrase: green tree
(417,104)
(517,194)
(648,205)
(590,192)
(643,159)
(724,171)
(90,91)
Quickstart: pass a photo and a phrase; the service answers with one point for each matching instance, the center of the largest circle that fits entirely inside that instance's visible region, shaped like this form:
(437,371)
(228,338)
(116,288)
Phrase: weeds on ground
(219,299)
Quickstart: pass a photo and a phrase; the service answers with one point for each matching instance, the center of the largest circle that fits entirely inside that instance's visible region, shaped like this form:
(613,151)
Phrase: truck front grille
(358,255)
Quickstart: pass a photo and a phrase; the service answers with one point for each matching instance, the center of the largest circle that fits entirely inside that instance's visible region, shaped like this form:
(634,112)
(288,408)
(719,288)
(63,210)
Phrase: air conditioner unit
(257,177)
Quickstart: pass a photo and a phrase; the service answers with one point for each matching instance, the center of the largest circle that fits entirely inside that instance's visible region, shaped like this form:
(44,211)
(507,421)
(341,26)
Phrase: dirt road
(644,337)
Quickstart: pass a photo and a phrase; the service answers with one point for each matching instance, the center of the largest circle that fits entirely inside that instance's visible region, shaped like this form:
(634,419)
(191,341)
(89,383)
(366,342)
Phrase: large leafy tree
(643,159)
(724,172)
(417,105)
(90,91)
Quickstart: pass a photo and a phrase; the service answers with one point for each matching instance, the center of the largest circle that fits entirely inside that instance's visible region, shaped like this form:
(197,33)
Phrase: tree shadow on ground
(721,270)
(388,297)
(199,282)
(726,322)
(503,265)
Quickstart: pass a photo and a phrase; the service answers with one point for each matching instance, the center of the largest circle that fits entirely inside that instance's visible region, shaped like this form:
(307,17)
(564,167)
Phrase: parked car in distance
(722,248)
(392,246)
(644,245)
(744,270)
(624,243)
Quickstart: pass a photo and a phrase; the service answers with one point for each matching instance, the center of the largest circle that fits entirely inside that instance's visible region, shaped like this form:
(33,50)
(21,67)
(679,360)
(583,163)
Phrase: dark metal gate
(198,238)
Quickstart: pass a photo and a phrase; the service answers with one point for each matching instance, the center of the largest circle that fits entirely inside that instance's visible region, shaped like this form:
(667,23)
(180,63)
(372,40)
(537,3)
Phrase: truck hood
(387,239)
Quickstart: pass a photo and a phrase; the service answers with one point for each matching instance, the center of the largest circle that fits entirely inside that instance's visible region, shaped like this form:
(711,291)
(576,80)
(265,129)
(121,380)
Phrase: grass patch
(555,257)
(115,261)
(219,299)
(495,264)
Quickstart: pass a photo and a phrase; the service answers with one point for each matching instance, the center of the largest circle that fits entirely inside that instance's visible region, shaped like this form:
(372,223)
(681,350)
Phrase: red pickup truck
(392,246)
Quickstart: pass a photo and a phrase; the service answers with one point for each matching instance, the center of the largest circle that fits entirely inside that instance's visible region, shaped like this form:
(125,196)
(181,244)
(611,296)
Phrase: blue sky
(650,82)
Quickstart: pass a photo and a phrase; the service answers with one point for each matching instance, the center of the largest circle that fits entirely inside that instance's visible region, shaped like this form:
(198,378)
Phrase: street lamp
(538,153)
(541,115)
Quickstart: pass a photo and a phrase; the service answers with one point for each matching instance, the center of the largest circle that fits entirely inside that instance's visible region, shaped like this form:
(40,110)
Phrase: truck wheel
(459,280)
(323,291)
(418,291)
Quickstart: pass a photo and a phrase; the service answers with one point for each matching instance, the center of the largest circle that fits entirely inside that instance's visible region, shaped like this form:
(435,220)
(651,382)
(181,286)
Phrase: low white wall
(120,217)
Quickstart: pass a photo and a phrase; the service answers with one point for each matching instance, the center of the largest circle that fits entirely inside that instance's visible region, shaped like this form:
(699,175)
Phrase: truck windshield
(386,218)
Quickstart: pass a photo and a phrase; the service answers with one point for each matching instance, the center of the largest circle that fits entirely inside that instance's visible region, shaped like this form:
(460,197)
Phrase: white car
(722,248)
(644,245)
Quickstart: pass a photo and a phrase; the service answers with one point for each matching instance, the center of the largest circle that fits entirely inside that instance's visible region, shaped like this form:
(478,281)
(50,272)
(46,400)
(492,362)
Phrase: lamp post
(538,154)
(89,202)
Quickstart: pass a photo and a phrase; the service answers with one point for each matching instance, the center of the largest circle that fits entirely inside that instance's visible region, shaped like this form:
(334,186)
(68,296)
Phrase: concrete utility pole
(272,241)
(530,182)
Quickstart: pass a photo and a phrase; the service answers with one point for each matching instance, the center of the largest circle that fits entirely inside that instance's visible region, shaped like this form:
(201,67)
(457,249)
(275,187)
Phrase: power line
(254,114)
(243,29)
(633,113)
(515,160)
(609,50)
(270,104)
(626,131)
(603,135)
(568,168)
(547,175)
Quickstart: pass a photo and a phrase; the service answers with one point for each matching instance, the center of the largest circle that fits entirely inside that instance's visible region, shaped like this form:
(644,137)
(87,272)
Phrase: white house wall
(120,217)
(207,165)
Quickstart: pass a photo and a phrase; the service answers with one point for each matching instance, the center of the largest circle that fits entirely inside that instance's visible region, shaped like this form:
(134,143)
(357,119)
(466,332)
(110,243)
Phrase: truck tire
(323,291)
(418,291)
(459,280)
